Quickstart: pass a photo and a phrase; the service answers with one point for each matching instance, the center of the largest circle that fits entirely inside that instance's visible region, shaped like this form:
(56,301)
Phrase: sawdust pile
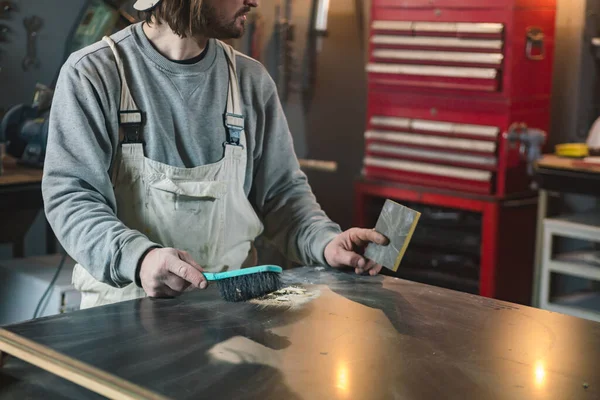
(290,296)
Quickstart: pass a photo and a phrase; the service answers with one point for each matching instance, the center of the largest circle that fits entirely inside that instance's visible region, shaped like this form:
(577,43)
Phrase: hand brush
(247,283)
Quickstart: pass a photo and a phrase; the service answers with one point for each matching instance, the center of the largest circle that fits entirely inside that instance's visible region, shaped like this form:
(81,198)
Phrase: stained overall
(202,210)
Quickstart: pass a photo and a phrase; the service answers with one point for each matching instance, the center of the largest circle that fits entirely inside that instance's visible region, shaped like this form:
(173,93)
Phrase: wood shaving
(290,296)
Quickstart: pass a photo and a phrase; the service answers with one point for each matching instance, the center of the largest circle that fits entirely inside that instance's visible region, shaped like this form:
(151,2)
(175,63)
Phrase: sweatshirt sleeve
(79,201)
(293,219)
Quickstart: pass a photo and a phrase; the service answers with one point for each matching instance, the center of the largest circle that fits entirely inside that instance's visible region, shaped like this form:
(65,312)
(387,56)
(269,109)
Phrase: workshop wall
(17,86)
(331,127)
(575,102)
(576,84)
(336,120)
(59,16)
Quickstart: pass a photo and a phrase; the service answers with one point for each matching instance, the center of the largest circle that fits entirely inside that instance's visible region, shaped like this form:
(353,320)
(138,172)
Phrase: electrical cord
(50,285)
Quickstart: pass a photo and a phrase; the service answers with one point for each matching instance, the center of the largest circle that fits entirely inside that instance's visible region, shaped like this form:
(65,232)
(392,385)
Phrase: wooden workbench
(349,337)
(15,174)
(550,161)
(20,203)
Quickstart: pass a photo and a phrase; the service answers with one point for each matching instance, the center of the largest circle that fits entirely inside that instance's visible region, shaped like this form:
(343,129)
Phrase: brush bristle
(247,287)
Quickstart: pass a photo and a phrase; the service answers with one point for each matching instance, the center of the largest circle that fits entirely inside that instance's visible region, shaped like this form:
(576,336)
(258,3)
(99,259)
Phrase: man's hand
(168,272)
(342,251)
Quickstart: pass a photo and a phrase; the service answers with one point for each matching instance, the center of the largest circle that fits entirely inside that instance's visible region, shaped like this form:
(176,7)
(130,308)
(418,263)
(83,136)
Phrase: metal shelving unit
(583,226)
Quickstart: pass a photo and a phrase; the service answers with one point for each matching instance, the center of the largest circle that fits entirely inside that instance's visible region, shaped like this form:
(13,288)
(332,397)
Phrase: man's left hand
(343,250)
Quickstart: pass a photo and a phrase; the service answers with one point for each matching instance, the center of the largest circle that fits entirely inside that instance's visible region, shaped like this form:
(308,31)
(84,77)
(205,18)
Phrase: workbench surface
(348,337)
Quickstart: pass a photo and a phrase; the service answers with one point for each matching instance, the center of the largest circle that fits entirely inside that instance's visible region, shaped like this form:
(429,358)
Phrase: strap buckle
(131,123)
(235,125)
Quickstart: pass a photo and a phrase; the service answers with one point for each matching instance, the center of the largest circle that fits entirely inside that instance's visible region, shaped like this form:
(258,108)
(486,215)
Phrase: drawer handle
(535,39)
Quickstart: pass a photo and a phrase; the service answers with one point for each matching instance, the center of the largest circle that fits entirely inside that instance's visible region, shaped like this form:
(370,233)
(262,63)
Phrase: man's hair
(180,15)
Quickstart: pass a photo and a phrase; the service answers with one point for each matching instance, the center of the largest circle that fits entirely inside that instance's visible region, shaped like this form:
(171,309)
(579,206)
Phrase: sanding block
(397,223)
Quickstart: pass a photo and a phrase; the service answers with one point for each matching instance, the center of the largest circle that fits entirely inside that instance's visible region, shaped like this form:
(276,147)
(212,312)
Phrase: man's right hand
(168,272)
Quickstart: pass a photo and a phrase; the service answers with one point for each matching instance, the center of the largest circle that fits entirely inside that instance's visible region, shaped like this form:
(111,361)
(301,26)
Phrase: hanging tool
(321,15)
(3,31)
(530,142)
(284,36)
(359,7)
(98,20)
(5,8)
(32,25)
(318,30)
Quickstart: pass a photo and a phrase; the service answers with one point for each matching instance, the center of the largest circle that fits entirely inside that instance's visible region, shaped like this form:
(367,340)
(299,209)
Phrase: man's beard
(214,25)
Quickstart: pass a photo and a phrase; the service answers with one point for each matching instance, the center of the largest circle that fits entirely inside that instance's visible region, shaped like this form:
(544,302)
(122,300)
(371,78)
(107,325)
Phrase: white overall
(201,210)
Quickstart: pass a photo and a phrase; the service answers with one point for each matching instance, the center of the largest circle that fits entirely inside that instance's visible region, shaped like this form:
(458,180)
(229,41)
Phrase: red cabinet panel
(464,3)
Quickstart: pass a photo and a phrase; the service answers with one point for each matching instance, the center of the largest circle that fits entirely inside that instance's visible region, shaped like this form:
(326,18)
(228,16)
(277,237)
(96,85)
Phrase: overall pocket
(188,215)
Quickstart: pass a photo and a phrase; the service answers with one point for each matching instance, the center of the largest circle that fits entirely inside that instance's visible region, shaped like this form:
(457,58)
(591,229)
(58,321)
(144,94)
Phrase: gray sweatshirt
(183,105)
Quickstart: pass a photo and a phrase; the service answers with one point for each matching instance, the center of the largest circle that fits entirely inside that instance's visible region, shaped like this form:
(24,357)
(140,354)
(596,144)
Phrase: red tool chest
(446,80)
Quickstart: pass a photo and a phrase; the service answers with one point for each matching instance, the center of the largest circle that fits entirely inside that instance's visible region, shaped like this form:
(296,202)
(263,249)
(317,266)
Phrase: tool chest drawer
(447,145)
(443,153)
(448,142)
(445,249)
(502,52)
(454,240)
(445,270)
(437,55)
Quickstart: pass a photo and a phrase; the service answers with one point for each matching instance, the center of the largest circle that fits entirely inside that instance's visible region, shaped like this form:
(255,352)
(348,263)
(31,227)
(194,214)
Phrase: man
(169,153)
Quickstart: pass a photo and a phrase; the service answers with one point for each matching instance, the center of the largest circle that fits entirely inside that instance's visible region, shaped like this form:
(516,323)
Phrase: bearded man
(169,154)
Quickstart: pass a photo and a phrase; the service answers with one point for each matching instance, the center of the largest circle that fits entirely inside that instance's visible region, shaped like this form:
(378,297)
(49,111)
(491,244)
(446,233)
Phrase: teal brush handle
(239,272)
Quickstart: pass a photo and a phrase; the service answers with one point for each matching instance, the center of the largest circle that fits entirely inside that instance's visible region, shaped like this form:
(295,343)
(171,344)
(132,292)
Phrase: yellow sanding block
(397,223)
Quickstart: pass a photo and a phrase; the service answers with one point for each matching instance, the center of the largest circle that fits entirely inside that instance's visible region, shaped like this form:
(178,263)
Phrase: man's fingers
(187,272)
(370,235)
(163,291)
(370,264)
(371,267)
(176,283)
(187,257)
(375,270)
(350,259)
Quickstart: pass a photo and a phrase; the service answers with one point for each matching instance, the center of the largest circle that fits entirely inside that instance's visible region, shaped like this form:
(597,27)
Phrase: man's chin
(238,31)
(232,34)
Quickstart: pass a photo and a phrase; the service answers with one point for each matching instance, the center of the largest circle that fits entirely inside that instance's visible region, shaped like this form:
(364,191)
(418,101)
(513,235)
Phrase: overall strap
(234,119)
(130,116)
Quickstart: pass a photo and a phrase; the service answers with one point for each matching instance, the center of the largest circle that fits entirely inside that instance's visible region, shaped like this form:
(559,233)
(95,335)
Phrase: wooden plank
(75,371)
(319,165)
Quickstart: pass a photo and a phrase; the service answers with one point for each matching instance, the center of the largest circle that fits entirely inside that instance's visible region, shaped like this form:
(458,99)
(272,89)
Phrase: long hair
(181,15)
